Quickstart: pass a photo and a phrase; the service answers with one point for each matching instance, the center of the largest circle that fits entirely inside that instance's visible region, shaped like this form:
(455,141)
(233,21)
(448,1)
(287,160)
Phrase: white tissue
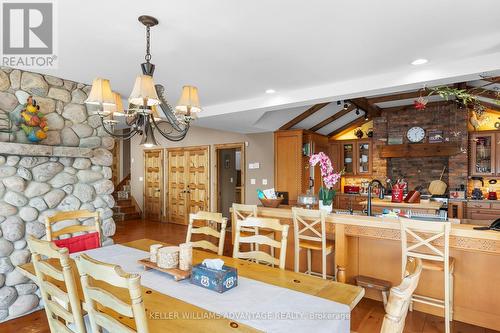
(213,263)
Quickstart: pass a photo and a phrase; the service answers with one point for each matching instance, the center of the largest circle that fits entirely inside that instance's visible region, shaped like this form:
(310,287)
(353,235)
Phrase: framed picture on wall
(436,136)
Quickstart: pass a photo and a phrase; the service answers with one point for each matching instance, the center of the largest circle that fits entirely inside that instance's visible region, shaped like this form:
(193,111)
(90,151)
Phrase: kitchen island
(371,246)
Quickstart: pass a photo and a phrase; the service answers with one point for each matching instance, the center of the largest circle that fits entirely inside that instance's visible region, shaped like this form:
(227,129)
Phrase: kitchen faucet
(380,195)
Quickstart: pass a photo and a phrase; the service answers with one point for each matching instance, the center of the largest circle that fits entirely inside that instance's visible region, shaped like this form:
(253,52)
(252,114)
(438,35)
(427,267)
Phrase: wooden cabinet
(356,157)
(485,153)
(456,210)
(483,210)
(292,149)
(349,201)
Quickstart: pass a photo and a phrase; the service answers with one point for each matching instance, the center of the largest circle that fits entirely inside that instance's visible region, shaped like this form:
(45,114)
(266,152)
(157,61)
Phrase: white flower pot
(326,208)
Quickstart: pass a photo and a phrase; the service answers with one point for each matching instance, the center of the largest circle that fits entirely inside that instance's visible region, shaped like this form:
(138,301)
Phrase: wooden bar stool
(417,238)
(309,230)
(241,212)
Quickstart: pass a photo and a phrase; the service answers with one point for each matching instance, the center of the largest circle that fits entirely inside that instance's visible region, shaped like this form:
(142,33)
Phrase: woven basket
(273,203)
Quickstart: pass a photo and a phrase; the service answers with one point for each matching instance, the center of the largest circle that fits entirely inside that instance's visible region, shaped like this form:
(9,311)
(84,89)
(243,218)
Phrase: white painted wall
(260,149)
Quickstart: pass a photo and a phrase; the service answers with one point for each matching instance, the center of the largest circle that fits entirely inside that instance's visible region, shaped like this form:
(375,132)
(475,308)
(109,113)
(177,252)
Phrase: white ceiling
(308,51)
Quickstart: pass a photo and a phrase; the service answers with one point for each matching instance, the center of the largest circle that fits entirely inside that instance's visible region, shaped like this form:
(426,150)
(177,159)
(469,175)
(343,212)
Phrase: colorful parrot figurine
(34,122)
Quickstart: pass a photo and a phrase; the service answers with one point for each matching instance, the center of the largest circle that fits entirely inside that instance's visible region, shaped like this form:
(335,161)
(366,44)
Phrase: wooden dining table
(164,312)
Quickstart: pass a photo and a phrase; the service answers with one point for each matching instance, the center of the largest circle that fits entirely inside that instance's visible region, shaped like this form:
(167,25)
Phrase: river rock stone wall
(33,187)
(70,122)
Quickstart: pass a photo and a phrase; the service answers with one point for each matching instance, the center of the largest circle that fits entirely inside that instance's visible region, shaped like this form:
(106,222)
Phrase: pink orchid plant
(330,177)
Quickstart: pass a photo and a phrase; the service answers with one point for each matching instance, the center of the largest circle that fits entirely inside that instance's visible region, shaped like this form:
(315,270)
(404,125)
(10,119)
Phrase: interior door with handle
(188,182)
(153,184)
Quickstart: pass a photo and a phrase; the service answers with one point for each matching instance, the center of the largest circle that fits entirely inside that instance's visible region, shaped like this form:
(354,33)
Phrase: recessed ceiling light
(420,61)
(270,91)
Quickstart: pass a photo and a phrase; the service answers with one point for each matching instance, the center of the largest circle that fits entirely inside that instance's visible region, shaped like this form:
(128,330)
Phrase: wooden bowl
(273,203)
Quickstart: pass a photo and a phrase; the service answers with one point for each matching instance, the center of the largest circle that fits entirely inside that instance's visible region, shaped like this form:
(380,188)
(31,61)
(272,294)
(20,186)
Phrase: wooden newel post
(340,252)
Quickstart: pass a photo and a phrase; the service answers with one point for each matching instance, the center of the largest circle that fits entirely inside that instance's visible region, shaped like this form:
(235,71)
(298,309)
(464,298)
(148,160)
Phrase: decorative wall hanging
(33,122)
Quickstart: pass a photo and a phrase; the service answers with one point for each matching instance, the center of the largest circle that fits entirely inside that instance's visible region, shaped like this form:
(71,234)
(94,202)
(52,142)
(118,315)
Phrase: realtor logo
(28,32)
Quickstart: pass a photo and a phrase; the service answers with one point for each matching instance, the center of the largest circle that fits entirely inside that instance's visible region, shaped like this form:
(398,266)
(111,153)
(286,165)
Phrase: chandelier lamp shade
(148,111)
(101,95)
(144,92)
(189,103)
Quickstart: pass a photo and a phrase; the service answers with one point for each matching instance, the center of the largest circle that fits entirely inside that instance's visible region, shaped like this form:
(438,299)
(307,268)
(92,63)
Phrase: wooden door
(188,182)
(483,154)
(348,157)
(153,184)
(363,165)
(288,163)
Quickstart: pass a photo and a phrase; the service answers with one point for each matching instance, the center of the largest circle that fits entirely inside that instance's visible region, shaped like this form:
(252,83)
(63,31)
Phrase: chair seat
(312,245)
(433,265)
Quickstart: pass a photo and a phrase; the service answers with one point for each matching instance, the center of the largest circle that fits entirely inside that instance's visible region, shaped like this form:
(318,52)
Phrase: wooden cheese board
(176,273)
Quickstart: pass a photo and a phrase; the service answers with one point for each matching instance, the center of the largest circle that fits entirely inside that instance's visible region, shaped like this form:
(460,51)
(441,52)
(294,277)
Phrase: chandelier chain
(148,44)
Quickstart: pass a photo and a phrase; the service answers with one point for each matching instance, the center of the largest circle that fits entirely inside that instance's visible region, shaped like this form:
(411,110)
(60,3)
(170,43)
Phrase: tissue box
(219,281)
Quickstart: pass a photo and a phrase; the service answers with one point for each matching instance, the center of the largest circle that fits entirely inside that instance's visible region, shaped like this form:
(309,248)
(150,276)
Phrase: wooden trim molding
(303,115)
(241,146)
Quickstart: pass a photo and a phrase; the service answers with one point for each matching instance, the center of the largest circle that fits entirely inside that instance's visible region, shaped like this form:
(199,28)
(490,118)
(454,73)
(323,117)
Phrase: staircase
(125,208)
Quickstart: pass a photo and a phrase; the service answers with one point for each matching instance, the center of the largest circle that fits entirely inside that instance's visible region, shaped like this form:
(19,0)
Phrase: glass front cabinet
(356,157)
(484,158)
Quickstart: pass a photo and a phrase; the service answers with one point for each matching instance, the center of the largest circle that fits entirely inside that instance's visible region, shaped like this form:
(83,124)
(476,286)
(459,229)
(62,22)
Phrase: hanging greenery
(464,97)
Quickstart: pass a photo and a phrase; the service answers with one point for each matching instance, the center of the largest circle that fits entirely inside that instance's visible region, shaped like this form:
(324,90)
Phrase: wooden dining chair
(309,229)
(59,304)
(90,240)
(417,238)
(96,296)
(267,223)
(207,230)
(400,298)
(241,212)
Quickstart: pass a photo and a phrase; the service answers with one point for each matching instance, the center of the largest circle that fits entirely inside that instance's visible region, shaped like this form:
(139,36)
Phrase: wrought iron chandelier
(149,110)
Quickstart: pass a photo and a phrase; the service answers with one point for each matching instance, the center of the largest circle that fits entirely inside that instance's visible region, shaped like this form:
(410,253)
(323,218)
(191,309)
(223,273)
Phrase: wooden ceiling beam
(494,79)
(364,104)
(349,126)
(399,96)
(490,106)
(478,91)
(411,106)
(303,115)
(332,118)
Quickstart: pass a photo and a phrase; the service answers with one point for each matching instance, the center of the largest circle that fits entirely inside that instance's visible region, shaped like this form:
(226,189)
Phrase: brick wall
(421,171)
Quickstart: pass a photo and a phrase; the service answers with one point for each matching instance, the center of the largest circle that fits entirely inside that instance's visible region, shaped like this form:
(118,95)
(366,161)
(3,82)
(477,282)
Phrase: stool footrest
(370,282)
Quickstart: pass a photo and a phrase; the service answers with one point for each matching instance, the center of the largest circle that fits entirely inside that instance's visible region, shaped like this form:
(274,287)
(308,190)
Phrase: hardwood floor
(366,317)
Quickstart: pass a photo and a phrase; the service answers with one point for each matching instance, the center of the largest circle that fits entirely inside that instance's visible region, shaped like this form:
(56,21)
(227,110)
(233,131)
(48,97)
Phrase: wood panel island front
(368,245)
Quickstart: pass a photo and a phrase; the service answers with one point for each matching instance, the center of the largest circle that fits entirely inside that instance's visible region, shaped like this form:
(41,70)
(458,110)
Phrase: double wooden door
(188,182)
(153,184)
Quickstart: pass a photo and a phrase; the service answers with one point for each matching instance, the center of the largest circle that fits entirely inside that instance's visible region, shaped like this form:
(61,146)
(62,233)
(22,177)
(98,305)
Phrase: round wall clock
(415,134)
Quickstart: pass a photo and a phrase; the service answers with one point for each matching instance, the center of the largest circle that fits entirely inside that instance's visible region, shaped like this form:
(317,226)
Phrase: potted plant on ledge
(330,178)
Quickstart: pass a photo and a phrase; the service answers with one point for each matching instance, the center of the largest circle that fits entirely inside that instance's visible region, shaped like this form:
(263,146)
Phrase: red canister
(397,194)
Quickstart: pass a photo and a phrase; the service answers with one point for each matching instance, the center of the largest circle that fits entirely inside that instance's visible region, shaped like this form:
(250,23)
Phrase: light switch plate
(141,179)
(252,181)
(264,181)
